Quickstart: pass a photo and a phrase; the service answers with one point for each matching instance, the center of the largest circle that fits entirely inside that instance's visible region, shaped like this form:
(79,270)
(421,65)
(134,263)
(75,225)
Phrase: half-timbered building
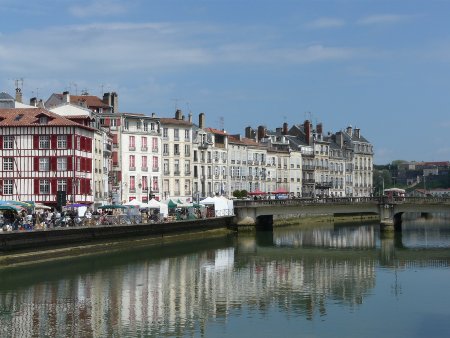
(43,153)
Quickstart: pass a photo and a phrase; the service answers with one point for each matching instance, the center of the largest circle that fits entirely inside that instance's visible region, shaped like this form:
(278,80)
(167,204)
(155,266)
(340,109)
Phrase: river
(327,281)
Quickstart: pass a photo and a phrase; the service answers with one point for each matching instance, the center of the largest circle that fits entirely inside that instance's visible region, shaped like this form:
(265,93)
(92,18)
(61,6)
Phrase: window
(8,142)
(166,167)
(113,123)
(78,164)
(165,132)
(187,167)
(62,141)
(132,142)
(43,120)
(154,144)
(8,164)
(176,134)
(138,125)
(144,183)
(44,164)
(152,126)
(187,150)
(144,142)
(145,126)
(62,185)
(132,161)
(144,162)
(186,135)
(44,186)
(62,163)
(127,124)
(176,149)
(8,187)
(132,183)
(155,162)
(44,141)
(165,149)
(177,166)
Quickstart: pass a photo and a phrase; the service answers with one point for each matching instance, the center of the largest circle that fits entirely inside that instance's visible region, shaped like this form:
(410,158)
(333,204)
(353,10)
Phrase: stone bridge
(390,210)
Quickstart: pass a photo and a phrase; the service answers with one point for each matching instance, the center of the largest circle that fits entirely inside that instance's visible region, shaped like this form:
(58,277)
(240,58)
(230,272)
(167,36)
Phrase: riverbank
(324,219)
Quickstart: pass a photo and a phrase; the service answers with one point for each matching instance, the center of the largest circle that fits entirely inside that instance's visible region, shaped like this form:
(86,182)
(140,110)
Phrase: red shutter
(1,187)
(89,165)
(53,163)
(1,142)
(53,185)
(115,137)
(36,163)
(69,163)
(69,141)
(118,122)
(83,164)
(35,141)
(115,158)
(53,142)
(119,176)
(69,186)
(107,122)
(36,186)
(89,144)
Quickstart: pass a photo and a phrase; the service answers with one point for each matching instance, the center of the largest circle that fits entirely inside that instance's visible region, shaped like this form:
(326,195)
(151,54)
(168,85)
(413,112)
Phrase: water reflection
(297,272)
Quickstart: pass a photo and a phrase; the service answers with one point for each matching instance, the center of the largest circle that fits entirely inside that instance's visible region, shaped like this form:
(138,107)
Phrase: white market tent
(222,205)
(154,204)
(135,202)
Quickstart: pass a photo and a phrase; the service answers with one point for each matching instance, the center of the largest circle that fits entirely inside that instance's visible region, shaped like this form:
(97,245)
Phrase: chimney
(285,128)
(350,131)
(66,97)
(153,114)
(357,132)
(190,117)
(40,104)
(340,139)
(18,95)
(114,102)
(107,98)
(261,133)
(178,114)
(319,128)
(307,129)
(33,102)
(248,132)
(201,120)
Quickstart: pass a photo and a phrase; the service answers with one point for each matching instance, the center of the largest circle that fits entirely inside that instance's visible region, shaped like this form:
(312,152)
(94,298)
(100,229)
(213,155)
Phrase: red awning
(280,191)
(257,192)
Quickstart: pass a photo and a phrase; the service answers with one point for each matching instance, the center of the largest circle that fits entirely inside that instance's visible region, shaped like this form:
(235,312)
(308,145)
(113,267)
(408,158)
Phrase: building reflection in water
(179,295)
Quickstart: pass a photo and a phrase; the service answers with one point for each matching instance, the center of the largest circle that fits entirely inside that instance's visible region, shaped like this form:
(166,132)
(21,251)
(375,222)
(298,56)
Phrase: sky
(381,66)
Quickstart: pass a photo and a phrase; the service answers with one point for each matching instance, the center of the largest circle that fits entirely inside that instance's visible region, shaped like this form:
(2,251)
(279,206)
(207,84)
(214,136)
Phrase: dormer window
(43,119)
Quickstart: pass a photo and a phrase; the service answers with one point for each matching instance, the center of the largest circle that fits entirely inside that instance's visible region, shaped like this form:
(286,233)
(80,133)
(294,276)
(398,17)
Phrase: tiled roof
(216,131)
(90,100)
(30,117)
(5,96)
(165,120)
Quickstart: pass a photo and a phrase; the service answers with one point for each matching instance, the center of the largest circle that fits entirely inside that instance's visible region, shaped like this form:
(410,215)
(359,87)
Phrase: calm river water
(332,281)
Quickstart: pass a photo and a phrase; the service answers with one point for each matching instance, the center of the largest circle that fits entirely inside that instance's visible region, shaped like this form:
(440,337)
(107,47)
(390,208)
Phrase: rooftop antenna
(76,87)
(102,86)
(221,123)
(176,102)
(36,93)
(19,83)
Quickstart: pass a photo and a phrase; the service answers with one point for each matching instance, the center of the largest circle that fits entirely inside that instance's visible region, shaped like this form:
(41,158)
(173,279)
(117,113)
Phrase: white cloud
(323,23)
(381,19)
(98,8)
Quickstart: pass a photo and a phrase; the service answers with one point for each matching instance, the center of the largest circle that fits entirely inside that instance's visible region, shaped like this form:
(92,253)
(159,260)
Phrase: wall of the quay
(17,240)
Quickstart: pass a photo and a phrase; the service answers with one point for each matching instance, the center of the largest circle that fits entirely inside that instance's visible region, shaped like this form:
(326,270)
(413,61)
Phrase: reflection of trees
(174,296)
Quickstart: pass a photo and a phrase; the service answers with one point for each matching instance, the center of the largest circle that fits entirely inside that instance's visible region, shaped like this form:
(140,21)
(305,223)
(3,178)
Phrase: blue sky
(382,66)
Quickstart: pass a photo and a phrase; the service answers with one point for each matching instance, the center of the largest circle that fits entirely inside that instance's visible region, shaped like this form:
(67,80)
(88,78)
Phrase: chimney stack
(190,117)
(350,131)
(261,133)
(178,114)
(114,102)
(201,120)
(285,128)
(357,132)
(319,128)
(307,128)
(19,95)
(33,102)
(66,97)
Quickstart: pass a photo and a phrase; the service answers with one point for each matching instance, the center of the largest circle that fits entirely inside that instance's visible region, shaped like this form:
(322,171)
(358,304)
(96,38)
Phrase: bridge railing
(341,200)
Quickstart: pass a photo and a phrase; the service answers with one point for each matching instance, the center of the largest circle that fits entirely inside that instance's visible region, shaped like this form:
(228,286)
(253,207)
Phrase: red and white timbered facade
(42,153)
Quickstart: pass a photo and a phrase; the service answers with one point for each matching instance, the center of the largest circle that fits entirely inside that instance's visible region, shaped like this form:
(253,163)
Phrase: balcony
(144,148)
(309,180)
(176,173)
(144,169)
(155,169)
(132,169)
(166,172)
(132,190)
(130,148)
(154,150)
(187,172)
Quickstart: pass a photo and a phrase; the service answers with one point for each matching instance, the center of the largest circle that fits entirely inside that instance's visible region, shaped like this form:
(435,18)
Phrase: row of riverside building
(83,146)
